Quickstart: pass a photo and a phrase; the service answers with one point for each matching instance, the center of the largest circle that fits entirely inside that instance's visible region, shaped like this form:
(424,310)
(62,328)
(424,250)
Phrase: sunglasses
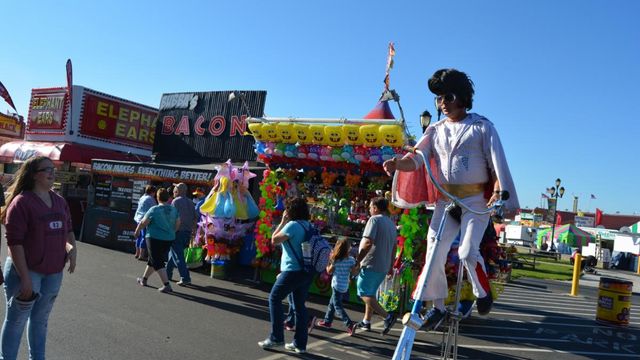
(49,169)
(449,97)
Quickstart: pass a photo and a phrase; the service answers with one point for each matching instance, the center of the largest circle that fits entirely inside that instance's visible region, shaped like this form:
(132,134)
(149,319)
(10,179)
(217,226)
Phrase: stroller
(588,264)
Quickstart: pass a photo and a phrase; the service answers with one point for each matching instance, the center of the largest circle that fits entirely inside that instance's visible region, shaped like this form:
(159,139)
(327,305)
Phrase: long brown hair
(23,180)
(341,250)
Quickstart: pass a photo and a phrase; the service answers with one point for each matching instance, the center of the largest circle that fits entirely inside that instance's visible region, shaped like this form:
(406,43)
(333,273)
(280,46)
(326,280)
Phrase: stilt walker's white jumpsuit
(466,158)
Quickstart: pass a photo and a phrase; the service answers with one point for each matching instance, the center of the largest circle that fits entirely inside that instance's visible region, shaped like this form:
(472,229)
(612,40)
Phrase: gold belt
(464,190)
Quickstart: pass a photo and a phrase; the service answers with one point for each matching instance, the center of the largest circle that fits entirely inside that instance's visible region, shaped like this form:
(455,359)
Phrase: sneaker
(165,289)
(142,281)
(292,347)
(484,304)
(323,324)
(351,329)
(465,307)
(311,324)
(389,321)
(433,319)
(289,327)
(366,327)
(268,343)
(184,283)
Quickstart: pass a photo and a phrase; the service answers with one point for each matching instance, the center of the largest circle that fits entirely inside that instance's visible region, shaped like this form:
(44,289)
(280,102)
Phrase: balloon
(336,154)
(302,133)
(347,153)
(260,148)
(303,151)
(391,135)
(317,134)
(387,153)
(271,132)
(375,155)
(268,148)
(325,153)
(256,129)
(286,132)
(360,153)
(290,151)
(279,150)
(333,136)
(314,152)
(351,134)
(369,135)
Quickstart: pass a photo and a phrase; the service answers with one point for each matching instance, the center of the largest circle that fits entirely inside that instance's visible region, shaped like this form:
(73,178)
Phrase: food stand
(197,132)
(72,133)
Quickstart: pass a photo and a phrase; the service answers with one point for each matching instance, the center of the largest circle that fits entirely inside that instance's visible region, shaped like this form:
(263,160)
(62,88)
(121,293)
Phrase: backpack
(320,248)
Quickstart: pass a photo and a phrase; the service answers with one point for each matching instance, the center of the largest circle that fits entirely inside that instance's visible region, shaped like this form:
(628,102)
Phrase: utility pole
(575,204)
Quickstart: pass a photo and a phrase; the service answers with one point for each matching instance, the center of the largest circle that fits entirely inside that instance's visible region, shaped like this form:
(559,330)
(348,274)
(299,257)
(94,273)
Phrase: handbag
(193,257)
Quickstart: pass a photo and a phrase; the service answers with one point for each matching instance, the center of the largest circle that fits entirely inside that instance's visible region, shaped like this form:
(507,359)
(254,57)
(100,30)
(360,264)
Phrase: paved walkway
(593,280)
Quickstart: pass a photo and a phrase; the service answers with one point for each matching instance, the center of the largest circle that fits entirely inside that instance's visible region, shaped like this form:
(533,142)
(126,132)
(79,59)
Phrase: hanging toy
(222,171)
(302,133)
(333,136)
(281,193)
(317,134)
(351,134)
(245,200)
(211,250)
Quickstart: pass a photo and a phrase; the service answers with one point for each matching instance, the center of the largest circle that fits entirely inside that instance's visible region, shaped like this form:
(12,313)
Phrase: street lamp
(555,192)
(425,120)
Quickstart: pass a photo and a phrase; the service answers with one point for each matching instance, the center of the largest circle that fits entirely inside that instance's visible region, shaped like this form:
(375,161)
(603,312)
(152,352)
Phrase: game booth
(337,165)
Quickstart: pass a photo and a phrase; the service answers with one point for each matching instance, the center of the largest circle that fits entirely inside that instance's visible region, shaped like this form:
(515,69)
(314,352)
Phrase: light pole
(425,120)
(555,192)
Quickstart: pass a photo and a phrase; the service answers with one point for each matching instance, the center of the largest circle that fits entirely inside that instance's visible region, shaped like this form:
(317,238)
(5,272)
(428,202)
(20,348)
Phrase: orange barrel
(614,301)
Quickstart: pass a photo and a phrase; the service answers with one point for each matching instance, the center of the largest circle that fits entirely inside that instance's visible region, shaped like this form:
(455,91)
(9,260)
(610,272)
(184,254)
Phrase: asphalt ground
(101,313)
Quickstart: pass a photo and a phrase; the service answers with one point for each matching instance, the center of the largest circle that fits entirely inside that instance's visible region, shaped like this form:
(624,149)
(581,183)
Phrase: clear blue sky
(558,78)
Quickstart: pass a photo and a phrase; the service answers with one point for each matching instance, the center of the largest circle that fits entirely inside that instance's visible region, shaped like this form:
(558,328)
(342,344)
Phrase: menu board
(121,189)
(137,192)
(103,228)
(125,231)
(103,189)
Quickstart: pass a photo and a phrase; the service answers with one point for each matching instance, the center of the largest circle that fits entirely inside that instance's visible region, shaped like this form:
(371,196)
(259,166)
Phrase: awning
(19,151)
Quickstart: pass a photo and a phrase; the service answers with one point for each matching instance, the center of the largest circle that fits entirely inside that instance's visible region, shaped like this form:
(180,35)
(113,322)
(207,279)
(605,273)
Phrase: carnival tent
(568,234)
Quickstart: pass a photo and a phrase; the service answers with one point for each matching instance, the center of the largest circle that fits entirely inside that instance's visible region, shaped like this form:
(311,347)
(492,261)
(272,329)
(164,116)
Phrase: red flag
(5,95)
(544,196)
(558,219)
(598,216)
(69,79)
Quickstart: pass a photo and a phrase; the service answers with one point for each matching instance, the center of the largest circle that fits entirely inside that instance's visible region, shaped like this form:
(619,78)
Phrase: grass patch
(546,271)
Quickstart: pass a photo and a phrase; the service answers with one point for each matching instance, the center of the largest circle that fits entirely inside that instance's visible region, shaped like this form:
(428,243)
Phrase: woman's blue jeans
(36,312)
(297,283)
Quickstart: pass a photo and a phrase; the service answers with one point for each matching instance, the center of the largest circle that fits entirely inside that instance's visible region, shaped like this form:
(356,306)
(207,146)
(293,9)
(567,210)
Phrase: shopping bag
(389,293)
(193,257)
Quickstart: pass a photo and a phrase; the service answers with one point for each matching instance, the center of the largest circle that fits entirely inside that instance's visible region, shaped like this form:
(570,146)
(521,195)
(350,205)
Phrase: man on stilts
(467,158)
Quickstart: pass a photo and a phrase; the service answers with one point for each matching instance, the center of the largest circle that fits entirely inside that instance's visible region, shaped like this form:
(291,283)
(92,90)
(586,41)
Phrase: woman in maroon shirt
(40,240)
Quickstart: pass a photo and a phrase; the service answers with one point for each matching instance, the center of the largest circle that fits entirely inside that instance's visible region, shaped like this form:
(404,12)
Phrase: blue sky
(558,78)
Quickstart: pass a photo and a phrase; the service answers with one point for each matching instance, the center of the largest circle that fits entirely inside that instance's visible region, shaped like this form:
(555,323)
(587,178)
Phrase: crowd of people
(465,146)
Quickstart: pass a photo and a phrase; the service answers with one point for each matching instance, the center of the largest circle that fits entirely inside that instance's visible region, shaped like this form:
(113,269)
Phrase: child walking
(342,267)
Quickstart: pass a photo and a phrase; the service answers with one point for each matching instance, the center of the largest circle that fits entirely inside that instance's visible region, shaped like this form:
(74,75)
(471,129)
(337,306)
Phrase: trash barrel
(614,302)
(219,269)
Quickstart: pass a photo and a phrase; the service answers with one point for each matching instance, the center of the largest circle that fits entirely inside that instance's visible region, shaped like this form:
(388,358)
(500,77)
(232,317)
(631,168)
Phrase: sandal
(142,281)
